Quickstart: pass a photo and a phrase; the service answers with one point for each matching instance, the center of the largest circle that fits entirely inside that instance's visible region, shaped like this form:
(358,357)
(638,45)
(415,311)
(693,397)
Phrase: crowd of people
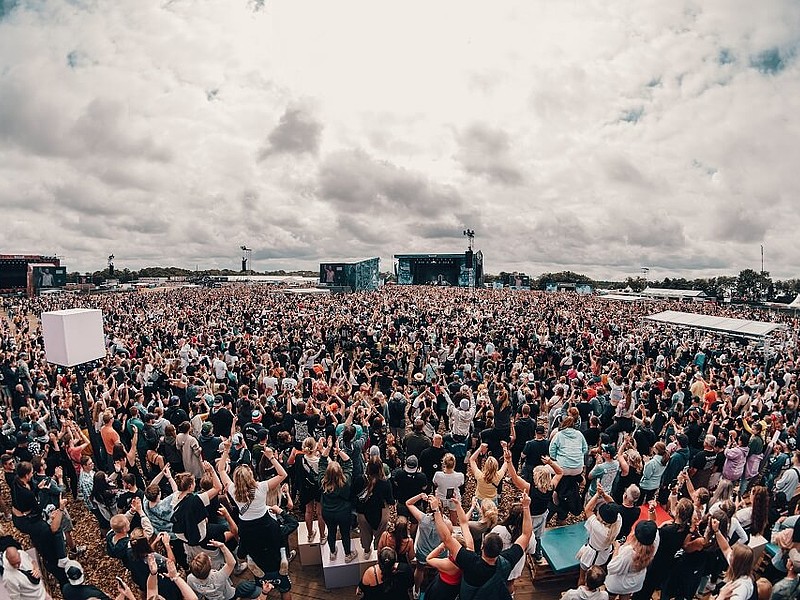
(437,431)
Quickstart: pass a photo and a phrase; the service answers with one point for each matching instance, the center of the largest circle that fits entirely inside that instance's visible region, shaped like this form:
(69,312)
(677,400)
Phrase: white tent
(795,303)
(722,325)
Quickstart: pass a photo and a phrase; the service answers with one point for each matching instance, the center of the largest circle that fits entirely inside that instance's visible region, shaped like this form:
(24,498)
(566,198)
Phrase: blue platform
(561,544)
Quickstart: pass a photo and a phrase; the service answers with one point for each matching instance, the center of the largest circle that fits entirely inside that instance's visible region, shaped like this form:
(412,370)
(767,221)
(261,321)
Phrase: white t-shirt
(250,511)
(621,579)
(597,550)
(217,586)
(444,481)
(742,588)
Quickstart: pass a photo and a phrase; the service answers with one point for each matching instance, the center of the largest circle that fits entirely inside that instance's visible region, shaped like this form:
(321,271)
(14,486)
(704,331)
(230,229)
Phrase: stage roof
(451,255)
(723,325)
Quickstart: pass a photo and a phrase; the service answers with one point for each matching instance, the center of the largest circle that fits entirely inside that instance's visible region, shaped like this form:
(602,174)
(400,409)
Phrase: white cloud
(598,136)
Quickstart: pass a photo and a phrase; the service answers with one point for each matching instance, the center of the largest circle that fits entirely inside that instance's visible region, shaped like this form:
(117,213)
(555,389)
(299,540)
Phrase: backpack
(150,435)
(309,481)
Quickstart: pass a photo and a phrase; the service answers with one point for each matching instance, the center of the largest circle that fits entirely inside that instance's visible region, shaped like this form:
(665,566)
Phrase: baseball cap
(412,464)
(74,572)
(609,512)
(464,405)
(207,427)
(645,532)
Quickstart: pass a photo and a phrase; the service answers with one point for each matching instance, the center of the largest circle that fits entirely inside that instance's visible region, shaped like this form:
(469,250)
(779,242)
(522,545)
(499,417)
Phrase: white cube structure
(74,336)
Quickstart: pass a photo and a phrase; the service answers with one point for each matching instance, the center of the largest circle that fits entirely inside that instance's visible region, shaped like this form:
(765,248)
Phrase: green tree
(754,286)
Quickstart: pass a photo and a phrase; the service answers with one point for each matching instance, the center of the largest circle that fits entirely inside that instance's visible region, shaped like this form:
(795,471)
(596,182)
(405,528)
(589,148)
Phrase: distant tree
(637,284)
(754,286)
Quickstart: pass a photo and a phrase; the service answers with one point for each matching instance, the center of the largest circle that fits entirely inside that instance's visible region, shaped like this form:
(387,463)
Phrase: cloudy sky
(593,135)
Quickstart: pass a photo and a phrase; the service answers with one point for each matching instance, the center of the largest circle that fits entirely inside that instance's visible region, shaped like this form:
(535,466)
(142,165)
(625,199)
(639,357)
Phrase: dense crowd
(437,431)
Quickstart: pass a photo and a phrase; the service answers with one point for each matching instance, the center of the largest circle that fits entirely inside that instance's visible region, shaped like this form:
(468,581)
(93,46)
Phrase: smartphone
(120,582)
(450,493)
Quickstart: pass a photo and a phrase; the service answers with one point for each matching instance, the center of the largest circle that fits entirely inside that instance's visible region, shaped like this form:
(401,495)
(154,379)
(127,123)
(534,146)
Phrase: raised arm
(230,561)
(222,464)
(473,460)
(275,481)
(442,529)
(463,523)
(518,481)
(527,524)
(412,508)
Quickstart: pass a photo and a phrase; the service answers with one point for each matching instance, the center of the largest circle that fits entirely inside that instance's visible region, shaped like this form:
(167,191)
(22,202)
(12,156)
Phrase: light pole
(469,257)
(247,254)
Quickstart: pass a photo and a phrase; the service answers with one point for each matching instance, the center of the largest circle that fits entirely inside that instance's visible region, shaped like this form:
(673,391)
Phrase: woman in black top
(374,504)
(540,492)
(387,580)
(27,517)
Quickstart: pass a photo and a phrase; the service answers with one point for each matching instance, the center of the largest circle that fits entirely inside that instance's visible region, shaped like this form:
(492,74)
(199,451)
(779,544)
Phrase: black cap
(645,532)
(609,513)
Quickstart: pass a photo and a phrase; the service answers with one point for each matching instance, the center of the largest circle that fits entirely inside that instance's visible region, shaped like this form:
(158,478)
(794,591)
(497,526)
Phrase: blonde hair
(634,460)
(489,512)
(244,484)
(333,479)
(642,555)
(490,469)
(543,478)
(741,564)
(449,461)
(309,444)
(613,529)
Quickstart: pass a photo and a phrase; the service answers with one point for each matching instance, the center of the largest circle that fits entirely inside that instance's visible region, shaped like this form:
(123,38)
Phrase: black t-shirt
(222,419)
(430,461)
(693,432)
(304,426)
(630,514)
(24,499)
(523,429)
(645,438)
(407,485)
(534,451)
(82,592)
(540,501)
(592,436)
(704,463)
(476,572)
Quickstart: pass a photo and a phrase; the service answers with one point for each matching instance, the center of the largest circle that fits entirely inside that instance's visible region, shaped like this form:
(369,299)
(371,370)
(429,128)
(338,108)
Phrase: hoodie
(568,448)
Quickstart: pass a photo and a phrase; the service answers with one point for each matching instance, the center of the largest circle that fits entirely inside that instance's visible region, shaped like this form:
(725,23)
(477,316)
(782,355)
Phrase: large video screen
(332,274)
(49,277)
(440,273)
(13,275)
(518,281)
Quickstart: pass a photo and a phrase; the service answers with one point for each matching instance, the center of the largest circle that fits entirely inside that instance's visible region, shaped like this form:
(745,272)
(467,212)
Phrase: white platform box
(309,552)
(74,336)
(339,574)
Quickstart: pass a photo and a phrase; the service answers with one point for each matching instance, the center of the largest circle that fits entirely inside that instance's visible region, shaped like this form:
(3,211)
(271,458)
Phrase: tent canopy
(723,325)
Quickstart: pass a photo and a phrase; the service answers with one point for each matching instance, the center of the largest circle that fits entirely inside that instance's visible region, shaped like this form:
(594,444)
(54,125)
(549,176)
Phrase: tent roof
(796,302)
(743,327)
(670,293)
(622,297)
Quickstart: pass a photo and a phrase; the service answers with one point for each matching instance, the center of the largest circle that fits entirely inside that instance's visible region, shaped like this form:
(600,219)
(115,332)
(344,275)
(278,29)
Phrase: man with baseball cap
(407,482)
(76,588)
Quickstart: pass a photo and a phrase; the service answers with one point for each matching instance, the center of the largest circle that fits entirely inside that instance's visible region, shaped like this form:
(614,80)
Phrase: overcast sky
(598,136)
